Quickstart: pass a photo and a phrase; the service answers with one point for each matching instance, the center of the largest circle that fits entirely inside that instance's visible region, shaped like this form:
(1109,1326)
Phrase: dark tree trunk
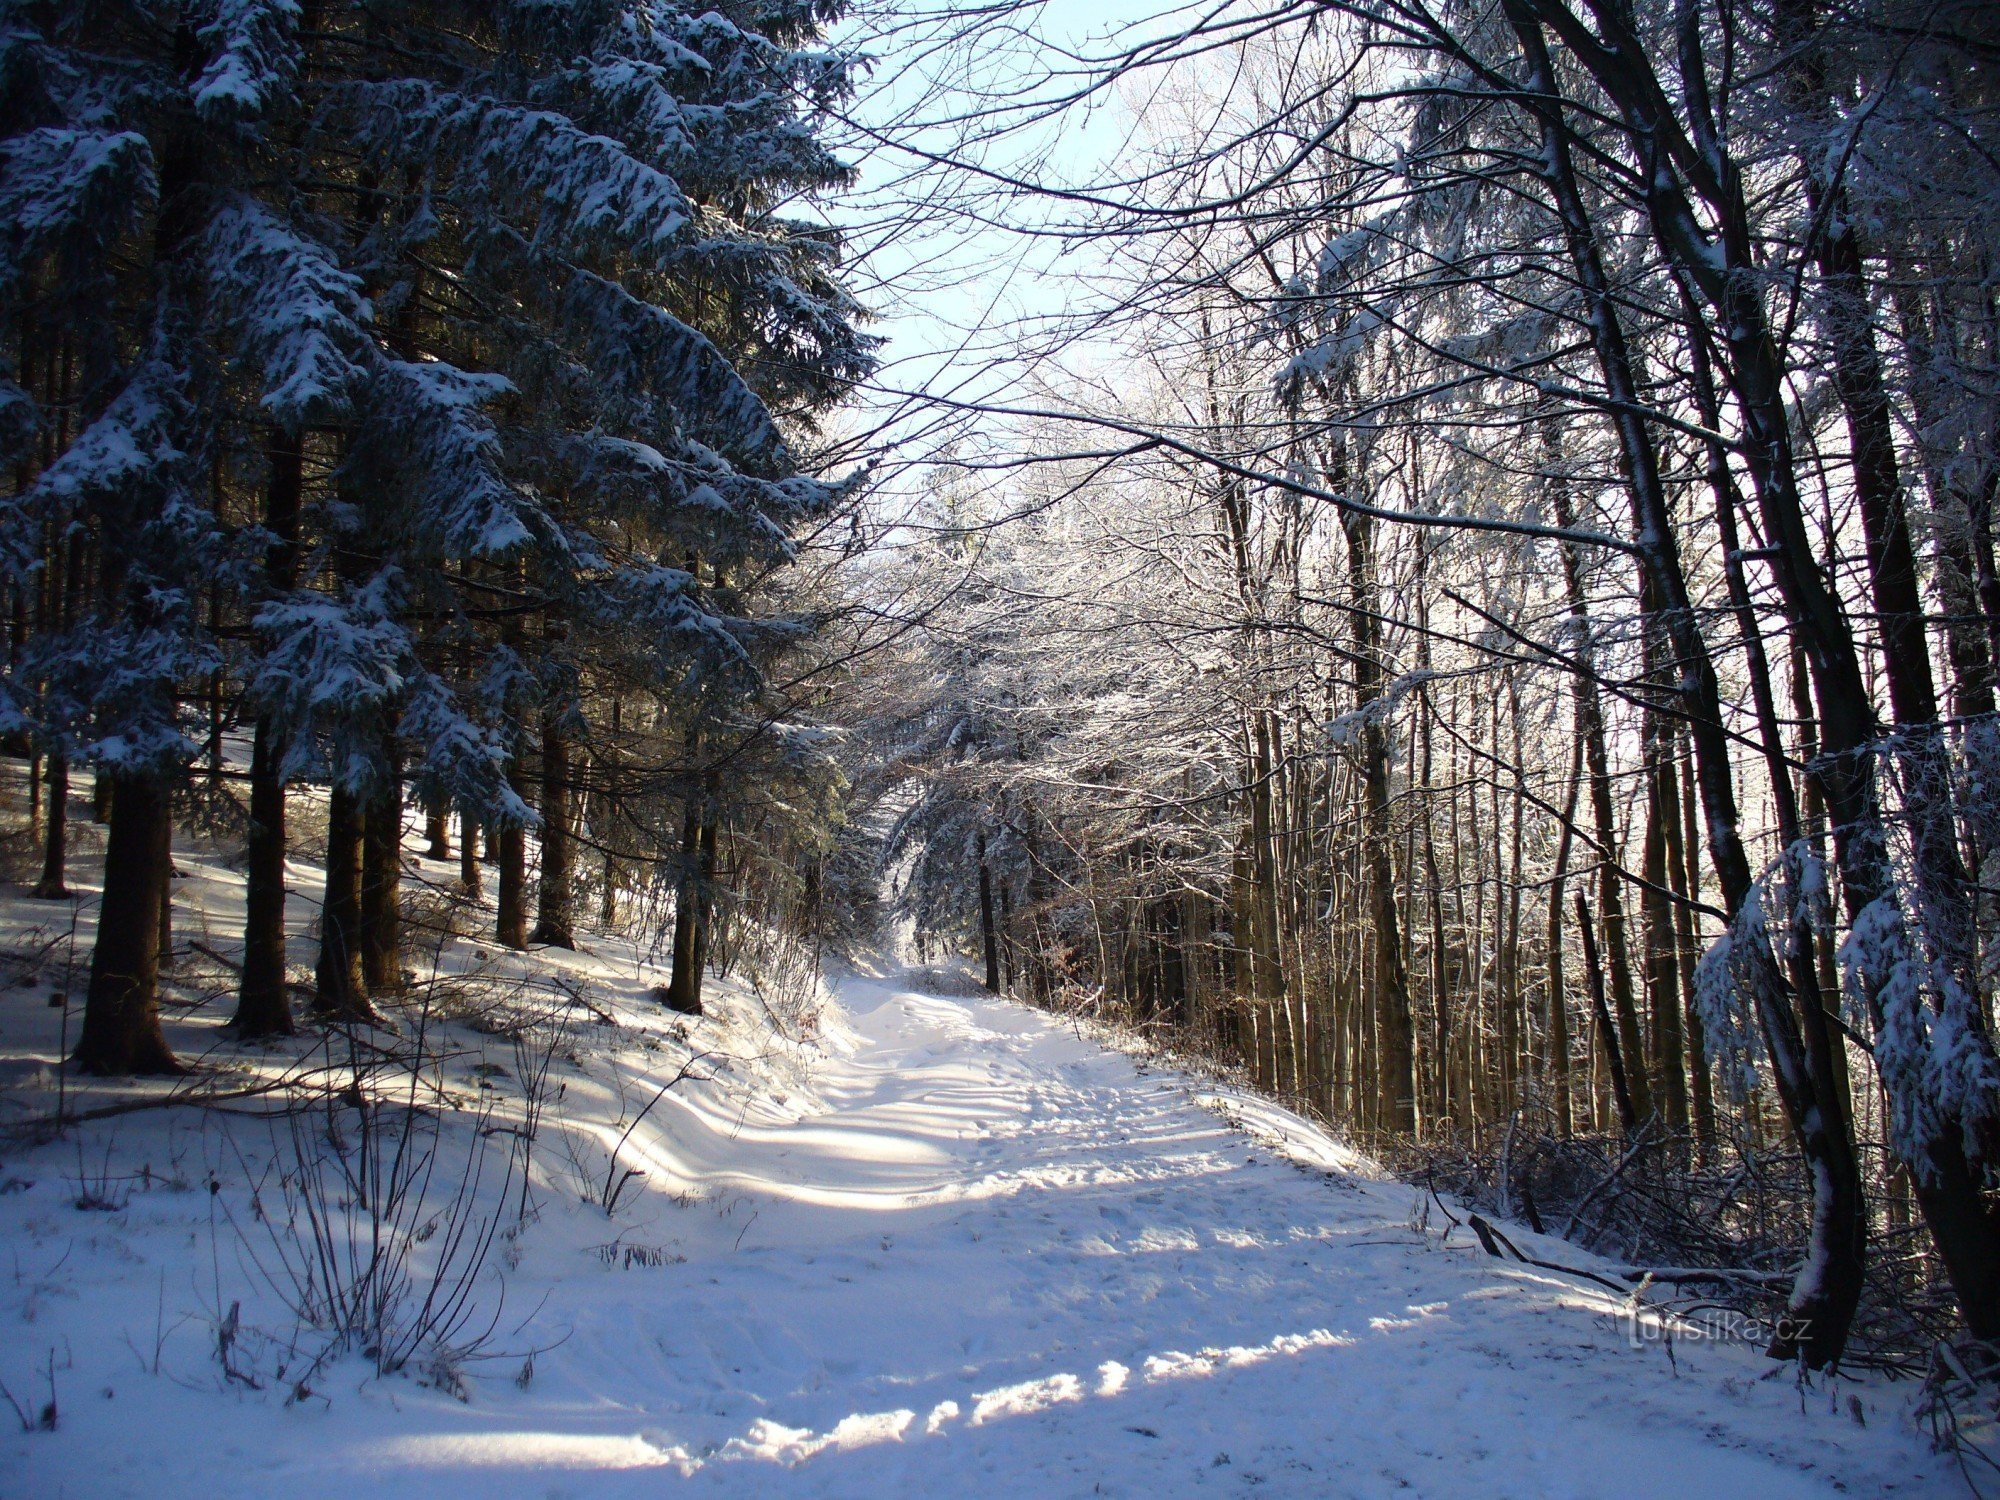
(382,887)
(555,898)
(121,1018)
(693,906)
(53,885)
(1395,1061)
(614,876)
(508,845)
(264,1006)
(1558,1020)
(100,798)
(510,927)
(264,1003)
(1964,1221)
(1607,1029)
(989,938)
(1006,939)
(437,829)
(1663,987)
(341,994)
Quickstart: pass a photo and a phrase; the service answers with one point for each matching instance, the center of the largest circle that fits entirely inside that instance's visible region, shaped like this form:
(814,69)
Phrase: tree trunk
(692,907)
(264,1005)
(382,885)
(340,994)
(1663,987)
(1682,840)
(1559,1062)
(989,939)
(1607,1028)
(555,899)
(437,828)
(264,1002)
(510,926)
(121,1019)
(1395,1061)
(55,834)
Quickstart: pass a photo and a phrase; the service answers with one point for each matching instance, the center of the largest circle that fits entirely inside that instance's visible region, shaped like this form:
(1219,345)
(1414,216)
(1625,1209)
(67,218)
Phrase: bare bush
(1725,1234)
(379,1240)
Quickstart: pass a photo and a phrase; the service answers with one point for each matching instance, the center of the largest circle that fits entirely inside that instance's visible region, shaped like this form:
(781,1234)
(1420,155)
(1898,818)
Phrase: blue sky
(959,284)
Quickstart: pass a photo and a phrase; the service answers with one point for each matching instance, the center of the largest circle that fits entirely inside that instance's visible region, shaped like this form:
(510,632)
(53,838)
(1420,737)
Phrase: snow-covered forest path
(988,1256)
(1007,1261)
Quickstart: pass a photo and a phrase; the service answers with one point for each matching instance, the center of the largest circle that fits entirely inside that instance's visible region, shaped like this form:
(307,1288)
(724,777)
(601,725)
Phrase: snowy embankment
(938,1245)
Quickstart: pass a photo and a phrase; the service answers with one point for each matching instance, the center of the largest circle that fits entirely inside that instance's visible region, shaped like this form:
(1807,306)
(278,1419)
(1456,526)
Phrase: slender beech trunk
(1682,836)
(1395,1052)
(1607,1028)
(1604,823)
(1558,1021)
(1663,988)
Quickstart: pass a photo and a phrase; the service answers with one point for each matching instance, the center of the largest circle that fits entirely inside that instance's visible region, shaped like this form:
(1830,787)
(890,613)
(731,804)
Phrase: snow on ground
(944,1246)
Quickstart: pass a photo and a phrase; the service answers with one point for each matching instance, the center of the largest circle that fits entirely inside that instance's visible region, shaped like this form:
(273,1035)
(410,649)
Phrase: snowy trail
(996,1259)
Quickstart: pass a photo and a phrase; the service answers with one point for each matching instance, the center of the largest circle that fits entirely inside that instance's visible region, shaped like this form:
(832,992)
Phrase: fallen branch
(1686,1275)
(235,966)
(1492,1239)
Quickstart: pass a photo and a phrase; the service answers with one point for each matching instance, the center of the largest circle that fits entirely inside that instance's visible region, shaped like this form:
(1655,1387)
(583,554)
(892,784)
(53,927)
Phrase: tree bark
(510,926)
(340,994)
(1607,1028)
(121,1019)
(555,899)
(437,828)
(382,884)
(989,939)
(53,886)
(264,1002)
(263,1005)
(692,908)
